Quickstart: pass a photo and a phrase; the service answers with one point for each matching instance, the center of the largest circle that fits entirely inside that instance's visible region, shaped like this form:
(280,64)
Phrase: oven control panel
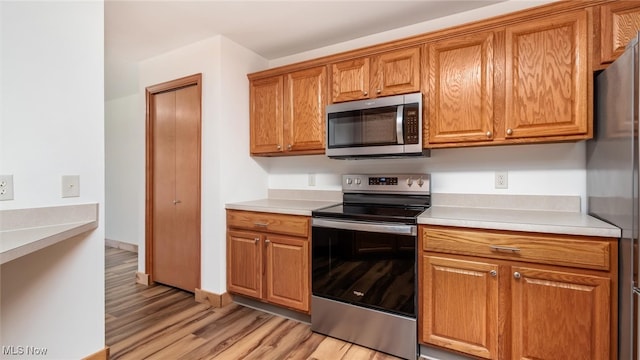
(404,183)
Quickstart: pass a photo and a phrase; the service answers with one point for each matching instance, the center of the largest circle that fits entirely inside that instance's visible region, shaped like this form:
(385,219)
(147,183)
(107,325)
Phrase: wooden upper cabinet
(350,80)
(389,73)
(619,24)
(287,113)
(546,77)
(578,305)
(266,115)
(396,72)
(460,93)
(305,101)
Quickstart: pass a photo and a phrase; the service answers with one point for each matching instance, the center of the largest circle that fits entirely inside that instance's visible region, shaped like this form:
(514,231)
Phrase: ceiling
(140,29)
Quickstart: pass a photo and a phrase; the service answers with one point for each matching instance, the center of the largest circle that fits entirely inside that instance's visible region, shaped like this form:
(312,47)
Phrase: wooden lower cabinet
(266,265)
(497,306)
(460,305)
(559,314)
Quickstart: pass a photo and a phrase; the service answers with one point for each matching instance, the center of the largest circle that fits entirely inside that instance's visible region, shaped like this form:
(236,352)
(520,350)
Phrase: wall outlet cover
(6,187)
(70,186)
(501,180)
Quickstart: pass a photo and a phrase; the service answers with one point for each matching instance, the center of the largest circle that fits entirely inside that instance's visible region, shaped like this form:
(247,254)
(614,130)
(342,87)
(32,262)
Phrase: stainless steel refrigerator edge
(612,179)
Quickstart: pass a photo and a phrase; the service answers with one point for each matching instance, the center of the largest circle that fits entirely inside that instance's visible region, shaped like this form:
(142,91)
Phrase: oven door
(365,264)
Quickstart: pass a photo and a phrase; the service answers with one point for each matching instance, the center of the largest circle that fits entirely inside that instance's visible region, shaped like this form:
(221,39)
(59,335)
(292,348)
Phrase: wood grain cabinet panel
(268,258)
(396,72)
(350,80)
(244,263)
(389,73)
(619,24)
(286,286)
(512,305)
(460,305)
(266,115)
(304,118)
(547,77)
(461,89)
(287,113)
(558,314)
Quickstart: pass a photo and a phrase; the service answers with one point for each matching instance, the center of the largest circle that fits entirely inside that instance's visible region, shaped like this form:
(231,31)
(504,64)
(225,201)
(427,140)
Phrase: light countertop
(24,231)
(281,206)
(554,222)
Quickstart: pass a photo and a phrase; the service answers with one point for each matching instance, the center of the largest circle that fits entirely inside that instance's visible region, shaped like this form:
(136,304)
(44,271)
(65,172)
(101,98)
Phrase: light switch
(70,186)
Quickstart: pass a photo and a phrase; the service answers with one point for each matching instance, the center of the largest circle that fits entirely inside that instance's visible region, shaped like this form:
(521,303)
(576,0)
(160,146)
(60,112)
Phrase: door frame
(150,91)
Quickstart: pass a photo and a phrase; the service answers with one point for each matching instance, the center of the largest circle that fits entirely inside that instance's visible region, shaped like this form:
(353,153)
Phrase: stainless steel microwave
(383,127)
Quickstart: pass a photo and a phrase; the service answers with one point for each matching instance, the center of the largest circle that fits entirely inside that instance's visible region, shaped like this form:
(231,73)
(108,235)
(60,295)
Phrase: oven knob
(420,182)
(409,181)
(358,181)
(349,181)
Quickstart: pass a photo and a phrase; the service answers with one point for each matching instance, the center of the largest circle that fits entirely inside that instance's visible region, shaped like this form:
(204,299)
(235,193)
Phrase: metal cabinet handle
(489,134)
(493,273)
(504,248)
(378,91)
(261,224)
(257,240)
(517,275)
(176,202)
(365,93)
(509,132)
(267,241)
(279,147)
(289,147)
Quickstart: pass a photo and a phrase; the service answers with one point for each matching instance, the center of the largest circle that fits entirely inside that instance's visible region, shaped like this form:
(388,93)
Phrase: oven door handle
(400,229)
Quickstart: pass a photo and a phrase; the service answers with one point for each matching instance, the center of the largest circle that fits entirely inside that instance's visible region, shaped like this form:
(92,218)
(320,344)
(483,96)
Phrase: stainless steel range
(363,261)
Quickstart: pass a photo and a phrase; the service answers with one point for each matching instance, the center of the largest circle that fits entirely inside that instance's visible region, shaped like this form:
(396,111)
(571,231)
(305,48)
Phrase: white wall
(228,173)
(52,123)
(124,169)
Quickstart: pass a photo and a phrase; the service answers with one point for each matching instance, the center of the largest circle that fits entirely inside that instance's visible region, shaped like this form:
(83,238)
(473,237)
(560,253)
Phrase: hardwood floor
(160,322)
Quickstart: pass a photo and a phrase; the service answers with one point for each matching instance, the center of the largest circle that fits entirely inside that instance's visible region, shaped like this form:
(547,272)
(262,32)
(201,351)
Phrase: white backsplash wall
(540,169)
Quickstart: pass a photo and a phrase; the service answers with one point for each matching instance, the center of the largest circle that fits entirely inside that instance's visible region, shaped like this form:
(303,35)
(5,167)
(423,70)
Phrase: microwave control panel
(411,124)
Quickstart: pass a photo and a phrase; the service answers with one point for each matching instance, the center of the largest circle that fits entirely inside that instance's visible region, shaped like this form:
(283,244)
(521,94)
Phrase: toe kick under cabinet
(268,257)
(517,295)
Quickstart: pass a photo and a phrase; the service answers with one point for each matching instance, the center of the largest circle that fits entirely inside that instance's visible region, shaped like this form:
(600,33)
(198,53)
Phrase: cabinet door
(619,24)
(244,263)
(305,101)
(350,80)
(559,315)
(396,72)
(266,117)
(287,266)
(460,305)
(547,77)
(461,89)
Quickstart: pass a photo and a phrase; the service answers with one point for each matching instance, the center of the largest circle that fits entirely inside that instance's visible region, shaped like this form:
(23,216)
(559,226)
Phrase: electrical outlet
(312,179)
(70,186)
(6,187)
(501,180)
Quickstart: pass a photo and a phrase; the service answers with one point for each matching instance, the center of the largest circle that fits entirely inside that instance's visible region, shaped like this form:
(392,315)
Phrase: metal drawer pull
(261,224)
(256,240)
(267,241)
(504,248)
(517,275)
(493,273)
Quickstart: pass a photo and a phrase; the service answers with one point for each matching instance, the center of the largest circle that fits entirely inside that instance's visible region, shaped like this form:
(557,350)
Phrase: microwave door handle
(399,127)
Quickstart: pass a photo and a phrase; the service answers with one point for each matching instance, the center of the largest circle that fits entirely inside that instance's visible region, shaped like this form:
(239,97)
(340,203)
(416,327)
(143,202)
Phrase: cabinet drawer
(576,251)
(268,222)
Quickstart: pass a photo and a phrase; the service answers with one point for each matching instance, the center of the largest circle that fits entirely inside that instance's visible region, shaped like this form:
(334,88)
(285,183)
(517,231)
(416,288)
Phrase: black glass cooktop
(378,213)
